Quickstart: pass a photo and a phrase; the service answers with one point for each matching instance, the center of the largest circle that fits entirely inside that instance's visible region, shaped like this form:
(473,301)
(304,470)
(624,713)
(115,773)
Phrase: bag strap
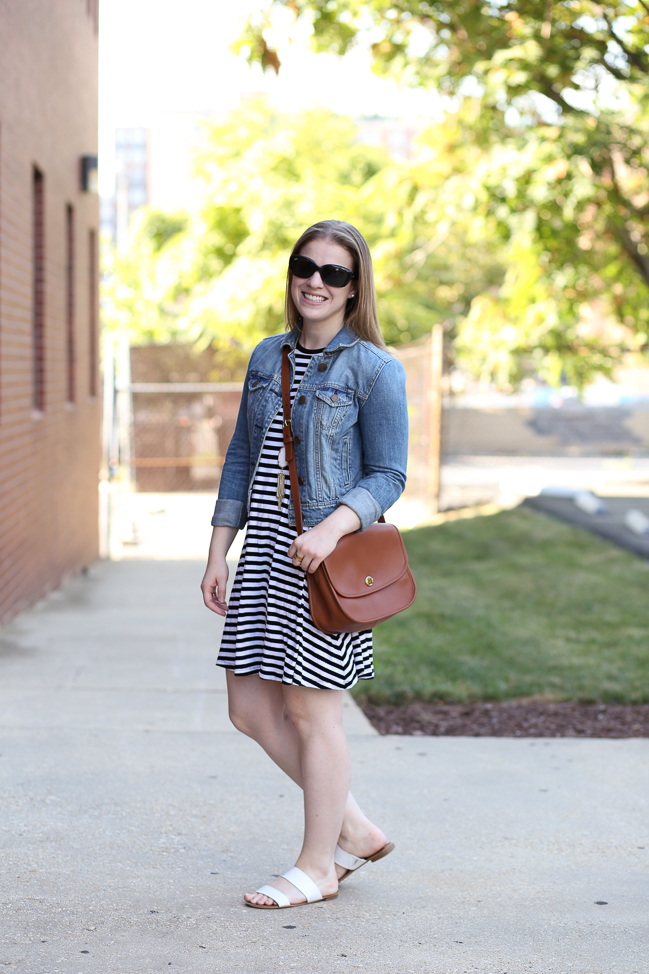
(289,447)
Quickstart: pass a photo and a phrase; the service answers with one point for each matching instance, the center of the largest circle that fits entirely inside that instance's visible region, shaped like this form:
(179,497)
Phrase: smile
(318,298)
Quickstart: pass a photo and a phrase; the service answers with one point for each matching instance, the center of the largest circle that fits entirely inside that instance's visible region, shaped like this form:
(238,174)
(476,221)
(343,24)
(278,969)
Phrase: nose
(315,280)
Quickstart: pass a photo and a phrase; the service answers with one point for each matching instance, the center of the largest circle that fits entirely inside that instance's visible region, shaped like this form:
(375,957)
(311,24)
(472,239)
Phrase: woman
(285,677)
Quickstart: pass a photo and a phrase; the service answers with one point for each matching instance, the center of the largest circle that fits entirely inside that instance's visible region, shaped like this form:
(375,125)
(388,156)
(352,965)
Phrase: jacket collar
(342,339)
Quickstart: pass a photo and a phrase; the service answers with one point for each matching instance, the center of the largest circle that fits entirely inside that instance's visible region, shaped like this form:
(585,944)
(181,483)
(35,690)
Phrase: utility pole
(435,366)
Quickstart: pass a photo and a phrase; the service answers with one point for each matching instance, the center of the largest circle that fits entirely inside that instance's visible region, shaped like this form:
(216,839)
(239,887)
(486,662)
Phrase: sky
(161,58)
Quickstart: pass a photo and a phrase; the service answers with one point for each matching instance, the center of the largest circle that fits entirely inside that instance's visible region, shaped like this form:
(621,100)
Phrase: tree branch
(631,249)
(547,90)
(633,57)
(639,212)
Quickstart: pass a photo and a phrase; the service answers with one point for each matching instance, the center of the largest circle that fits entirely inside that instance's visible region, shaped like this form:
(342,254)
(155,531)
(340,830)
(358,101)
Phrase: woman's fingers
(297,554)
(306,563)
(213,587)
(307,551)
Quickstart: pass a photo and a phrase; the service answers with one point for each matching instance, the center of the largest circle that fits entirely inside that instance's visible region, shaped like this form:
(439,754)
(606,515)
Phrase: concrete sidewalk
(133,818)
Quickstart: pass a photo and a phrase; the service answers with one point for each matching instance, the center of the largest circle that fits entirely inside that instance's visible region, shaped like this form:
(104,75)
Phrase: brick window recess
(69,301)
(92,317)
(38,273)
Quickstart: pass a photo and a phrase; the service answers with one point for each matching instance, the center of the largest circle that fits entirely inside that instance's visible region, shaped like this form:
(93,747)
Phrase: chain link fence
(423,363)
(181,433)
(172,437)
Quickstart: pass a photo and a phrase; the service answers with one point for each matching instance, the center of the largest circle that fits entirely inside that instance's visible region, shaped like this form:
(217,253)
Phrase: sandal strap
(304,884)
(276,895)
(346,860)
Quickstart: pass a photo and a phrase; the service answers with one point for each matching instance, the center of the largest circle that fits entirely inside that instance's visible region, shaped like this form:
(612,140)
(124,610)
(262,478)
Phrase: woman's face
(317,302)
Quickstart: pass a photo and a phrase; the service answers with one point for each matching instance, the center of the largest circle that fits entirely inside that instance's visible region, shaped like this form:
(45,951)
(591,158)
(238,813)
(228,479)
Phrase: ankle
(362,841)
(355,831)
(319,871)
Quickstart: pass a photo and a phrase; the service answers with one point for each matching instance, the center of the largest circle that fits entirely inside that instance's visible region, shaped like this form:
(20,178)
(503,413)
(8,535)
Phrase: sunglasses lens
(302,266)
(334,276)
(331,274)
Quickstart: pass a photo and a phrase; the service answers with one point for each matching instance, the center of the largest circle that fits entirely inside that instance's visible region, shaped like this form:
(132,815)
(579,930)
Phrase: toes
(258,899)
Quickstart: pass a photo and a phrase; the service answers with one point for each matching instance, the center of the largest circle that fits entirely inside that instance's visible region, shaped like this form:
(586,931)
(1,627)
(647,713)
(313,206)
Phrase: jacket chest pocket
(334,409)
(258,389)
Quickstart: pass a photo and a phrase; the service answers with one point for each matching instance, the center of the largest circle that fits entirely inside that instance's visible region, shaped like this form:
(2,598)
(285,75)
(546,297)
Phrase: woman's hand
(311,548)
(215,579)
(214,585)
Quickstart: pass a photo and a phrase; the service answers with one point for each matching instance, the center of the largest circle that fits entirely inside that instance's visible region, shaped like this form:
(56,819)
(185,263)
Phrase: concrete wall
(571,430)
(48,458)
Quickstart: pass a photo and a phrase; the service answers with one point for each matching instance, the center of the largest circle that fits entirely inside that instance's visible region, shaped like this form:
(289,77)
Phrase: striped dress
(268,629)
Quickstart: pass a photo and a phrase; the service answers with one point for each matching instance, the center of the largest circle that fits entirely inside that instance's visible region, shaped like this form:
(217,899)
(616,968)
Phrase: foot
(327,884)
(362,844)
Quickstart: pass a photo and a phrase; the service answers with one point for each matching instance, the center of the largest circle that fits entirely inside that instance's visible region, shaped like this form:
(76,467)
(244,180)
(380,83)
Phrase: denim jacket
(350,424)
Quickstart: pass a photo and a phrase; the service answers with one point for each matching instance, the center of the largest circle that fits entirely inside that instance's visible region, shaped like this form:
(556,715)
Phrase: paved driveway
(133,817)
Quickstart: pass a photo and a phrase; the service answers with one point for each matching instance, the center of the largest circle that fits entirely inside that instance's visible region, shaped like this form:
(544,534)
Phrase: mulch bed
(515,718)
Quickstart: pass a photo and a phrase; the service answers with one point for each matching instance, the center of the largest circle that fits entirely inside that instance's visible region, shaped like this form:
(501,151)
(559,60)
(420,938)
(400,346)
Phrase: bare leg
(258,709)
(326,773)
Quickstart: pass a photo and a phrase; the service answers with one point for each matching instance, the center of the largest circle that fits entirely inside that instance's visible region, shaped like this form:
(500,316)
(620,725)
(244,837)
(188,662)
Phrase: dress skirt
(268,628)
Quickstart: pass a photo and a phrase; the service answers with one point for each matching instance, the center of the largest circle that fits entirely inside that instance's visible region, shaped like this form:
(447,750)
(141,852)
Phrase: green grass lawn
(516,605)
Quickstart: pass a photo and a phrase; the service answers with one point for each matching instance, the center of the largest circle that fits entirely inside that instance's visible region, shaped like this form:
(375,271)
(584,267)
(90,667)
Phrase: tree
(216,277)
(563,90)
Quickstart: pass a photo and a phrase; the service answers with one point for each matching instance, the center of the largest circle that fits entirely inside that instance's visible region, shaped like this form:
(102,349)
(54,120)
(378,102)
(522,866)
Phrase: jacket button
(297,439)
(253,384)
(300,481)
(322,367)
(301,400)
(334,398)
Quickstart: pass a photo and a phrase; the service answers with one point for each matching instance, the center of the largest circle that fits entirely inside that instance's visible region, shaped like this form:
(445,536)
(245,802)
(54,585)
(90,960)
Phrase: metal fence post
(108,436)
(436,363)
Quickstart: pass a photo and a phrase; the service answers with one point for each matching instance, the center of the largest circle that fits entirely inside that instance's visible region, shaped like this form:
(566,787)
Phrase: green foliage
(563,93)
(217,278)
(138,292)
(515,605)
(266,178)
(161,227)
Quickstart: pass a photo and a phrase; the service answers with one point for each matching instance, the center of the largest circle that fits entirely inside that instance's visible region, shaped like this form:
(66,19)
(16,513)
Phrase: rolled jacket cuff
(364,504)
(229,514)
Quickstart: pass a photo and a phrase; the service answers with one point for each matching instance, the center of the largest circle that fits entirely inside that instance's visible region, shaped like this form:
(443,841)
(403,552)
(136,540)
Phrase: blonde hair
(360,315)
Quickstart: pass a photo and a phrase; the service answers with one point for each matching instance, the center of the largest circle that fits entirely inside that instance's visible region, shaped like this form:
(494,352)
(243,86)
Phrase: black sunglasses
(331,274)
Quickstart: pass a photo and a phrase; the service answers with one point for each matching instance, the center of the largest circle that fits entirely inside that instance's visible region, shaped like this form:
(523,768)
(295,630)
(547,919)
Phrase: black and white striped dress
(268,629)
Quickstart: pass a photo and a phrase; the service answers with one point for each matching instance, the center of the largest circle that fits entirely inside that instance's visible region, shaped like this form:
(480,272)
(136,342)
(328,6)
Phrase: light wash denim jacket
(350,423)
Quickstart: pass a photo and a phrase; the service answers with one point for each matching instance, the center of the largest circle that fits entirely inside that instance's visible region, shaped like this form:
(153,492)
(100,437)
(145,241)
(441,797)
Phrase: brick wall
(49,457)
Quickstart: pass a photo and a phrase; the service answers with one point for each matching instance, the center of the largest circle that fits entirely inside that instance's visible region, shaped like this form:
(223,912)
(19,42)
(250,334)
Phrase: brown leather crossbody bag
(366,579)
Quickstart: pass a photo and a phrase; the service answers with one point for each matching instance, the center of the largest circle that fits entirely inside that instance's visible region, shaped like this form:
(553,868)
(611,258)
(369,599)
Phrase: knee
(309,721)
(244,720)
(299,717)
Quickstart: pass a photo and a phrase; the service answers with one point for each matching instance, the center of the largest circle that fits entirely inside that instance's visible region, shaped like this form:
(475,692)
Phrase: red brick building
(50,404)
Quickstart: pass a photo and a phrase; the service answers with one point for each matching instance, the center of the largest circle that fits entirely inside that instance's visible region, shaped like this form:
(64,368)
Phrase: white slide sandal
(351,863)
(303,883)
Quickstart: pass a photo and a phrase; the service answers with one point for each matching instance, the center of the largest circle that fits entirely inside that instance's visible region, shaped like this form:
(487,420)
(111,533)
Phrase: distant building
(132,159)
(131,177)
(154,166)
(132,182)
(397,136)
(50,403)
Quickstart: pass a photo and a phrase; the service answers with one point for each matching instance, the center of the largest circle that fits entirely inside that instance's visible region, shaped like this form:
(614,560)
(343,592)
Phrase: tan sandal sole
(260,906)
